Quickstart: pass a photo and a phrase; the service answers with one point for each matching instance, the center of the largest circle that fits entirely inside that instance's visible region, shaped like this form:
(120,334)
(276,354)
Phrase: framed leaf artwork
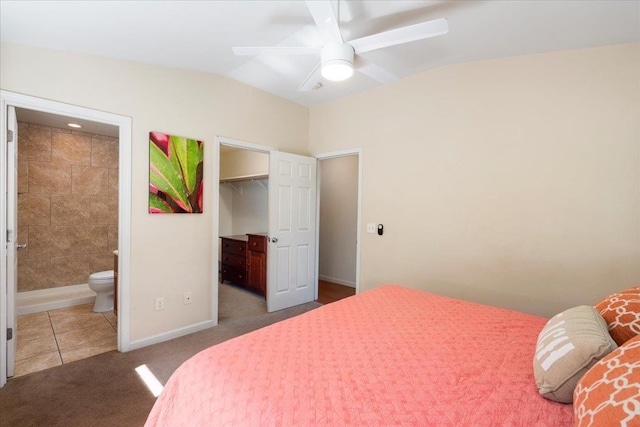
(175,174)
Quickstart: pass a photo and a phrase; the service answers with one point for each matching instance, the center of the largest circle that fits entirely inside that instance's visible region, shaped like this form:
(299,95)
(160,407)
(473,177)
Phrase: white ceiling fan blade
(408,34)
(276,50)
(326,20)
(312,79)
(375,71)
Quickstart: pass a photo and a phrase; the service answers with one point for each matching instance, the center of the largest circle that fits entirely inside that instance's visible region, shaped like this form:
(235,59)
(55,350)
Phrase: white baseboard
(53,298)
(337,281)
(176,333)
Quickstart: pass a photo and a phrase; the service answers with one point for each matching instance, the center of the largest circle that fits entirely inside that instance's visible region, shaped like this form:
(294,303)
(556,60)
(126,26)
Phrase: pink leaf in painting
(161,140)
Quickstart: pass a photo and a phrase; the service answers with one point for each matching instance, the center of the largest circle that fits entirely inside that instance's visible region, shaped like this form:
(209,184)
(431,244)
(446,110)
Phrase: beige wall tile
(33,273)
(113,238)
(104,210)
(23,176)
(53,240)
(113,181)
(104,153)
(49,178)
(34,209)
(70,209)
(101,262)
(91,239)
(69,270)
(34,143)
(89,180)
(72,149)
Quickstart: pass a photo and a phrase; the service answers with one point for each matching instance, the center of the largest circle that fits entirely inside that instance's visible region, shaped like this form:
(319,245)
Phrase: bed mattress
(389,356)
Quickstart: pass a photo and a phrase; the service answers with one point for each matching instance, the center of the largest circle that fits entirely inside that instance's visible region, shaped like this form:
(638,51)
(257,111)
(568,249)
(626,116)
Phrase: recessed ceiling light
(74,125)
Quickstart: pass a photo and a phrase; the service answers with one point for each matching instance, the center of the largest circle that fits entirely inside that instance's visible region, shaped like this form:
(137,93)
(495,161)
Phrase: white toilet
(102,284)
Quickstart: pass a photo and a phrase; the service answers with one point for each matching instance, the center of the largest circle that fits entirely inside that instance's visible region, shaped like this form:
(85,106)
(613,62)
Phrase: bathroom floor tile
(77,309)
(111,318)
(33,347)
(73,322)
(78,337)
(89,349)
(35,320)
(35,333)
(49,339)
(37,363)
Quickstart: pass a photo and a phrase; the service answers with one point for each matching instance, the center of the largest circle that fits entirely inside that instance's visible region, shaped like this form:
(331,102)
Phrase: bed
(388,356)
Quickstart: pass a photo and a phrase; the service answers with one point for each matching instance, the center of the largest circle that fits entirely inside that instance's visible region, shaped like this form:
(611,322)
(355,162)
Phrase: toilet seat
(101,277)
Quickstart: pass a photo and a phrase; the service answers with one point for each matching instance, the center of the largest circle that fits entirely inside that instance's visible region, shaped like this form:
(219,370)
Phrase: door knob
(274,239)
(22,246)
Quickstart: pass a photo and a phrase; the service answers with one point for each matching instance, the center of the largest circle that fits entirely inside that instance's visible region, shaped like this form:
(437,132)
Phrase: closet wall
(244,201)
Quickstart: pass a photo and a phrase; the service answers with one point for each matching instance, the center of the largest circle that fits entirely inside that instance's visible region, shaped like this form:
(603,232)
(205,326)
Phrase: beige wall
(338,220)
(67,205)
(513,182)
(171,254)
(239,163)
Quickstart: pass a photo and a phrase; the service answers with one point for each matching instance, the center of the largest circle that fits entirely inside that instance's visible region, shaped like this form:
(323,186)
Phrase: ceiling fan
(337,56)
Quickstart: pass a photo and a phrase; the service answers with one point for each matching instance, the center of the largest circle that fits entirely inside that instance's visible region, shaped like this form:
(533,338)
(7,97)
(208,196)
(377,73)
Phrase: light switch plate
(371,228)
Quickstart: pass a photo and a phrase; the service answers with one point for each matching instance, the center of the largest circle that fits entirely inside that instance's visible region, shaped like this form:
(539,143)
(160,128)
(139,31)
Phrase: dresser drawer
(232,260)
(237,275)
(257,243)
(234,246)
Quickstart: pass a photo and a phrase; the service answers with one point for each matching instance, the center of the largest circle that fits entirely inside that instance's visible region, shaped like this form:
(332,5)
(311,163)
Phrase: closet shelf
(245,178)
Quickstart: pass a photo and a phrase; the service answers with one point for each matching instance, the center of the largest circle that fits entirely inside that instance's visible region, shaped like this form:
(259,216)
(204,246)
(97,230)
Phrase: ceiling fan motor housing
(337,61)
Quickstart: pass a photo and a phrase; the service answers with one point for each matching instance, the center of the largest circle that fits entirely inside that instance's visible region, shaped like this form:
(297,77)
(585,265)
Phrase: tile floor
(51,338)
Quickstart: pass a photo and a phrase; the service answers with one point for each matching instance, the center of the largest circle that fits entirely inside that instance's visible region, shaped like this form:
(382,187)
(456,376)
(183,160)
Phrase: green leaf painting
(175,174)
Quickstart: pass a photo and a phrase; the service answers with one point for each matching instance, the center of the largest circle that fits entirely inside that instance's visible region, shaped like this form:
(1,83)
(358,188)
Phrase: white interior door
(292,230)
(12,236)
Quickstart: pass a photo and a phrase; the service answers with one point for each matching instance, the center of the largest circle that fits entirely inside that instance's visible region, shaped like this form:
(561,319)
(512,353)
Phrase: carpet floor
(105,390)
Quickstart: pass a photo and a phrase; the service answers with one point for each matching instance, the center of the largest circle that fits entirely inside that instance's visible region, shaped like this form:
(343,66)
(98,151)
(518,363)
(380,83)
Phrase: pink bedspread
(389,356)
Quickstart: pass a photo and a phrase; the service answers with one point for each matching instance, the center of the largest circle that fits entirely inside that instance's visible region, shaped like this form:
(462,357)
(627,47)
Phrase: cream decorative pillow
(569,344)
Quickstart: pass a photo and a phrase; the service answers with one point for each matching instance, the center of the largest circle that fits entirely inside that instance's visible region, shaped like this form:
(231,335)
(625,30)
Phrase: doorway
(121,180)
(290,245)
(339,178)
(243,224)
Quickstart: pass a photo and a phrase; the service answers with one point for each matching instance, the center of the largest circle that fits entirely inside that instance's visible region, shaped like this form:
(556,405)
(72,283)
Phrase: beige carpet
(105,390)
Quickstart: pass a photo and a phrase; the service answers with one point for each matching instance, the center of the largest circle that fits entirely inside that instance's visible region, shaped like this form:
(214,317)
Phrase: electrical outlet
(186,299)
(371,228)
(159,303)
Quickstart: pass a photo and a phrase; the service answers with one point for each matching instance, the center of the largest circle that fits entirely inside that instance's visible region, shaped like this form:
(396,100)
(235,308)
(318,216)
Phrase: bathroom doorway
(73,203)
(67,230)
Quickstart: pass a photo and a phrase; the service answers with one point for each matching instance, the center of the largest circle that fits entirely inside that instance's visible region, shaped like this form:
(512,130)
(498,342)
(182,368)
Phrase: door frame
(124,206)
(243,145)
(334,155)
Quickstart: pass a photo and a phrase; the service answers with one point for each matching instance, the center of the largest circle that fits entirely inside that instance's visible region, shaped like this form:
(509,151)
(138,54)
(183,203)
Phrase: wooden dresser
(244,261)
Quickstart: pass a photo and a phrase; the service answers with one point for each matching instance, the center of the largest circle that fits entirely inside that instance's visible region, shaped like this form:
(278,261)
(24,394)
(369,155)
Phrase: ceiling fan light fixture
(337,70)
(337,62)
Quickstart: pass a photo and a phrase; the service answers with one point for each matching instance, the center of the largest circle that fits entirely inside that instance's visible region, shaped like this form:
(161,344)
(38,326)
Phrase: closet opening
(242,227)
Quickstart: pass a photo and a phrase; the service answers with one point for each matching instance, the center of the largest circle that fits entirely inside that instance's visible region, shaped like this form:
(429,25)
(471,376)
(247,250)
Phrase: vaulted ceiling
(199,35)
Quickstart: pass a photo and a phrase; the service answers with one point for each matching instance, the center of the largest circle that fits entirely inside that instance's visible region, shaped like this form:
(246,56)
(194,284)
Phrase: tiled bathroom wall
(67,205)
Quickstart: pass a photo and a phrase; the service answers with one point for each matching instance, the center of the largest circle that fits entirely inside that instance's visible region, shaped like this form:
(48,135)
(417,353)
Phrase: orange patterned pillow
(609,393)
(621,311)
